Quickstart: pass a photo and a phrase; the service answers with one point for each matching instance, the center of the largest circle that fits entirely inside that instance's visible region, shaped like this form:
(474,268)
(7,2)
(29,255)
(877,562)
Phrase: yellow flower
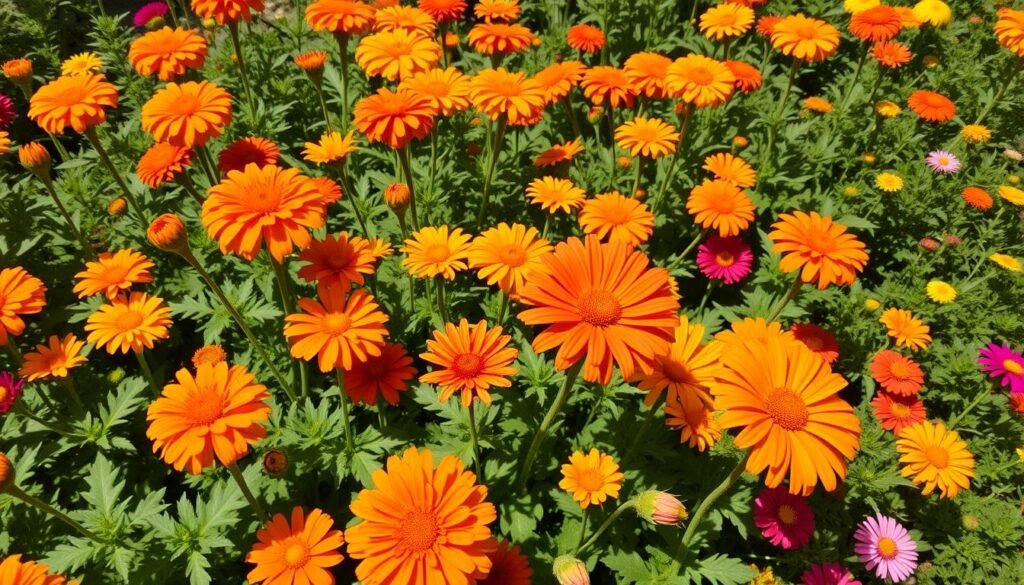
(81,64)
(592,478)
(1020,453)
(934,12)
(1013,179)
(1007,262)
(850,190)
(975,134)
(941,292)
(887,109)
(855,6)
(889,182)
(1011,194)
(869,158)
(872,304)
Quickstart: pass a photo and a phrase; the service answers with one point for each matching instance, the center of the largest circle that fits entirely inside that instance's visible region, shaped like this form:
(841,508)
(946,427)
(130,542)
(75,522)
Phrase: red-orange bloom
(604,85)
(246,151)
(818,340)
(500,38)
(895,412)
(443,10)
(892,54)
(748,77)
(384,375)
(646,73)
(395,118)
(337,261)
(585,37)
(187,114)
(338,331)
(168,52)
(346,17)
(496,92)
(879,23)
(931,106)
(558,79)
(163,162)
(20,294)
(469,360)
(897,373)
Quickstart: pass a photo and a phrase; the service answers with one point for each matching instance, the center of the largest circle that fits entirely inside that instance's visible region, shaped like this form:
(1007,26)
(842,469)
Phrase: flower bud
(872,304)
(117,206)
(312,62)
(155,23)
(396,195)
(209,354)
(1014,155)
(869,158)
(35,158)
(275,462)
(930,61)
(6,472)
(116,375)
(594,115)
(19,71)
(569,570)
(970,522)
(624,162)
(740,141)
(1013,180)
(473,149)
(930,243)
(661,508)
(451,40)
(168,233)
(951,240)
(640,194)
(850,190)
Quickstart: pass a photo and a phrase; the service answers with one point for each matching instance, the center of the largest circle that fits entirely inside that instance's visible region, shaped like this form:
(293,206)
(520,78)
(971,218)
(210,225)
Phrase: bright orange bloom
(227,11)
(559,153)
(273,204)
(818,340)
(880,23)
(647,73)
(892,54)
(78,101)
(907,330)
(603,304)
(935,457)
(497,10)
(931,106)
(447,89)
(685,369)
(443,10)
(731,168)
(54,359)
(591,478)
(245,151)
(726,21)
(1009,29)
(329,190)
(508,567)
(558,79)
(497,92)
(586,38)
(113,273)
(897,373)
(748,77)
(312,62)
(408,18)
(385,375)
(18,70)
(346,17)
(209,354)
(130,322)
(218,412)
(397,54)
(338,332)
(805,38)
(14,571)
(187,114)
(378,248)
(469,360)
(394,118)
(505,255)
(162,163)
(20,294)
(168,52)
(895,412)
(720,205)
(766,25)
(332,148)
(648,137)
(617,219)
(817,104)
(500,38)
(697,424)
(554,194)
(977,198)
(436,251)
(435,533)
(786,399)
(608,86)
(301,552)
(337,261)
(699,80)
(750,329)
(822,250)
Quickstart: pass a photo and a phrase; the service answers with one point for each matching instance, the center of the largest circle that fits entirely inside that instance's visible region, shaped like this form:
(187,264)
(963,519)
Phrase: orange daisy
(497,10)
(586,38)
(312,62)
(436,251)
(14,571)
(217,412)
(750,329)
(592,478)
(384,375)
(647,73)
(554,194)
(329,190)
(1009,29)
(896,413)
(227,11)
(187,114)
(130,322)
(332,148)
(935,457)
(395,118)
(245,151)
(397,54)
(78,101)
(697,424)
(301,552)
(448,89)
(497,92)
(602,304)
(720,205)
(344,17)
(505,255)
(748,77)
(559,153)
(54,359)
(766,25)
(897,373)
(726,21)
(931,106)
(731,168)
(558,79)
(337,261)
(648,137)
(338,331)
(20,294)
(822,250)
(609,86)
(113,273)
(162,163)
(168,52)
(269,204)
(209,354)
(508,566)
(617,218)
(408,18)
(699,80)
(685,369)
(443,10)
(805,38)
(977,198)
(907,330)
(892,54)
(818,340)
(876,24)
(500,38)
(469,360)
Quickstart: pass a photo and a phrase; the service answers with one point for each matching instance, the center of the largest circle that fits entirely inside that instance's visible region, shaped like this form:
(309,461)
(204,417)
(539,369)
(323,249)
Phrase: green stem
(353,199)
(236,474)
(503,308)
(433,158)
(14,351)
(681,146)
(1002,91)
(583,529)
(86,248)
(639,172)
(288,303)
(342,39)
(571,114)
(442,299)
(190,187)
(243,71)
(611,146)
(790,295)
(208,165)
(477,458)
(77,406)
(627,505)
(105,159)
(405,160)
(323,104)
(345,414)
(689,248)
(776,120)
(639,433)
(985,393)
(495,154)
(171,10)
(707,295)
(148,373)
(48,509)
(705,507)
(549,419)
(853,83)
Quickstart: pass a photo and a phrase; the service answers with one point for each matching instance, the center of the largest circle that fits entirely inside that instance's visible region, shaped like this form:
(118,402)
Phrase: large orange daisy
(129,323)
(1009,29)
(932,106)
(447,89)
(436,251)
(337,331)
(187,114)
(168,52)
(397,54)
(245,151)
(505,255)
(113,273)
(805,38)
(497,10)
(727,20)
(647,73)
(608,86)
(14,571)
(20,294)
(685,369)
(731,168)
(395,118)
(696,422)
(559,154)
(345,17)
(650,137)
(558,79)
(300,552)
(497,92)
(585,37)
(339,261)
(330,149)
(553,194)
(617,218)
(469,360)
(54,359)
(227,11)
(876,24)
(821,249)
(602,304)
(699,80)
(500,38)
(720,205)
(76,101)
(897,373)
(162,163)
(907,330)
(384,375)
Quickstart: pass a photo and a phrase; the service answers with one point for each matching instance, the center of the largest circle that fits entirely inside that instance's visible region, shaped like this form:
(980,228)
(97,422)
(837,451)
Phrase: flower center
(4,393)
(419,531)
(808,32)
(599,308)
(617,215)
(467,365)
(677,373)
(296,555)
(396,51)
(1012,366)
(72,96)
(725,258)
(591,480)
(115,274)
(337,323)
(184,105)
(887,548)
(786,409)
(819,241)
(205,406)
(899,410)
(943,161)
(263,198)
(937,456)
(340,260)
(438,252)
(128,320)
(723,205)
(787,515)
(899,369)
(726,19)
(513,255)
(701,76)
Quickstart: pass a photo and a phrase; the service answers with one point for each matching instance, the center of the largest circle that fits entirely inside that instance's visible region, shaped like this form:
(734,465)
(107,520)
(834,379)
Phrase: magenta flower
(7,111)
(943,162)
(784,519)
(148,12)
(10,390)
(998,360)
(726,259)
(885,547)
(828,574)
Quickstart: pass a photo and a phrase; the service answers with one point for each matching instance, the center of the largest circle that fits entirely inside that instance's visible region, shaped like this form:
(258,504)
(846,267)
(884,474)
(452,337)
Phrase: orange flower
(421,524)
(436,251)
(498,92)
(245,151)
(585,37)
(447,89)
(227,11)
(338,332)
(697,424)
(497,10)
(469,361)
(896,413)
(935,457)
(805,38)
(187,114)
(162,163)
(331,148)
(558,79)
(329,191)
(609,86)
(750,329)
(905,329)
(18,70)
(647,73)
(443,10)
(336,261)
(720,205)
(591,478)
(554,194)
(879,23)
(397,54)
(270,203)
(508,567)
(595,297)
(892,54)
(822,250)
(168,52)
(408,18)
(818,340)
(817,104)
(54,359)
(700,80)
(897,373)
(302,552)
(130,322)
(500,38)
(617,218)
(394,118)
(766,25)
(1009,29)
(113,273)
(218,412)
(505,255)
(209,354)
(726,21)
(931,106)
(559,153)
(378,248)
(346,17)
(20,294)
(731,168)
(685,368)
(312,62)
(977,198)
(13,571)
(167,232)
(386,375)
(78,101)
(786,399)
(748,77)
(648,137)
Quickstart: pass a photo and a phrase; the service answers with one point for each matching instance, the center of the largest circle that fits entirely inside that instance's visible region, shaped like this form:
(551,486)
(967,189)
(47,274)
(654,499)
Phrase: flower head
(385,375)
(443,10)
(246,151)
(818,340)
(14,571)
(227,11)
(661,508)
(897,373)
(935,457)
(748,77)
(469,360)
(607,86)
(10,391)
(395,118)
(337,261)
(731,168)
(726,21)
(559,153)
(302,551)
(906,329)
(699,80)
(397,54)
(685,369)
(817,104)
(943,162)
(499,38)
(828,574)
(805,38)
(727,259)
(498,93)
(568,570)
(331,148)
(1009,29)
(409,18)
(434,251)
(586,38)
(81,64)
(167,232)
(497,10)
(113,273)
(650,137)
(209,354)
(785,519)
(876,24)
(553,194)
(77,101)
(508,566)
(887,109)
(891,54)
(647,73)
(149,12)
(889,182)
(343,17)
(20,294)
(895,412)
(167,52)
(591,478)
(129,322)
(162,163)
(448,89)
(934,12)
(505,255)
(1001,362)
(617,218)
(720,205)
(338,330)
(931,106)
(940,292)
(885,547)
(821,249)
(1006,262)
(187,114)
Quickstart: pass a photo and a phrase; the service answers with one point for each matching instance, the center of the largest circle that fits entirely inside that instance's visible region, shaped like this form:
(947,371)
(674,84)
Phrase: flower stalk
(236,474)
(549,419)
(345,411)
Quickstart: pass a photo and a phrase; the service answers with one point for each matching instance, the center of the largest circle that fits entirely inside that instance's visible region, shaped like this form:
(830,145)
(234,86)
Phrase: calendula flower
(906,329)
(895,412)
(559,153)
(818,340)
(187,114)
(437,251)
(935,457)
(696,421)
(448,89)
(245,151)
(81,64)
(342,17)
(505,255)
(699,80)
(302,551)
(887,109)
(889,182)
(163,163)
(932,106)
(586,38)
(647,74)
(500,38)
(648,137)
(934,12)
(1006,262)
(607,86)
(443,10)
(395,118)
(817,104)
(748,77)
(385,375)
(78,101)
(805,38)
(167,52)
(1011,195)
(1009,29)
(227,11)
(129,323)
(469,360)
(338,331)
(977,198)
(553,194)
(975,134)
(897,373)
(330,149)
(508,566)
(591,478)
(617,218)
(498,93)
(940,292)
(785,519)
(113,273)
(340,261)
(720,205)
(558,79)
(397,54)
(209,354)
(731,168)
(409,18)
(855,6)
(54,359)
(876,24)
(497,10)
(726,21)
(886,548)
(17,572)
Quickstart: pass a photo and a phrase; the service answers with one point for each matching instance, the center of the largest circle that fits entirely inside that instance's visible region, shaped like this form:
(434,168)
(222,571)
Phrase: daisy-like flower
(167,52)
(162,163)
(805,38)
(385,375)
(729,167)
(497,10)
(748,77)
(699,80)
(448,89)
(855,6)
(5,142)
(302,551)
(77,101)
(999,361)
(977,198)
(726,21)
(696,422)
(586,38)
(887,109)
(397,54)
(443,10)
(617,218)
(817,104)
(931,106)
(10,391)
(498,93)
(607,86)
(330,149)
(339,261)
(227,11)
(341,17)
(505,255)
(312,62)
(785,519)
(130,322)
(818,340)
(940,292)
(886,548)
(766,25)
(329,190)
(558,79)
(81,64)
(209,354)
(245,151)
(508,566)
(649,137)
(112,274)
(936,458)
(559,154)
(469,360)
(905,329)
(726,259)
(409,18)
(685,370)
(395,118)
(889,182)
(1011,195)
(14,571)
(943,162)
(828,574)
(1009,29)
(895,412)
(553,194)
(647,73)
(720,205)
(1007,262)
(896,373)
(187,114)
(338,331)
(876,24)
(54,359)
(434,251)
(891,54)
(934,12)
(500,38)
(148,13)
(591,478)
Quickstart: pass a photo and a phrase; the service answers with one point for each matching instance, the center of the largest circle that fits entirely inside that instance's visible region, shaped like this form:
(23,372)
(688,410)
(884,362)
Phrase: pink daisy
(148,12)
(7,112)
(885,547)
(817,340)
(785,519)
(998,360)
(828,574)
(10,390)
(727,259)
(943,162)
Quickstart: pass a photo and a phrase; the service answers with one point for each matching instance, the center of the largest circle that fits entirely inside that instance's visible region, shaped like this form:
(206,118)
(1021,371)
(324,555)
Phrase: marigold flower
(18,572)
(617,218)
(505,254)
(591,478)
(54,359)
(586,38)
(785,520)
(895,413)
(78,101)
(731,168)
(187,114)
(447,89)
(168,52)
(935,457)
(331,148)
(469,361)
(699,80)
(696,422)
(553,194)
(1009,29)
(302,551)
(312,62)
(20,294)
(408,18)
(209,354)
(500,38)
(346,17)
(905,329)
(396,196)
(889,182)
(508,566)
(227,11)
(805,38)
(385,375)
(443,10)
(337,261)
(129,322)
(497,92)
(720,205)
(394,118)
(609,86)
(822,250)
(887,109)
(726,21)
(817,104)
(650,137)
(19,71)
(167,232)
(931,106)
(245,151)
(766,25)
(885,547)
(647,74)
(558,79)
(162,163)
(975,134)
(896,373)
(113,273)
(934,12)
(397,54)
(81,64)
(940,292)
(684,369)
(436,251)
(337,331)
(748,77)
(497,10)
(876,24)
(559,153)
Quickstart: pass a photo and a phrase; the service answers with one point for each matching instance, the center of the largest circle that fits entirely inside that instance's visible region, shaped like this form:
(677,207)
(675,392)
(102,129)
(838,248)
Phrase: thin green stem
(190,187)
(288,303)
(705,507)
(236,474)
(243,71)
(611,146)
(14,351)
(707,295)
(1002,91)
(503,308)
(48,509)
(571,114)
(342,39)
(433,158)
(353,199)
(985,393)
(495,154)
(477,458)
(105,159)
(680,148)
(776,120)
(549,419)
(77,406)
(627,505)
(442,299)
(171,10)
(853,83)
(82,241)
(405,159)
(318,87)
(638,434)
(639,173)
(689,248)
(790,295)
(346,415)
(583,529)
(148,373)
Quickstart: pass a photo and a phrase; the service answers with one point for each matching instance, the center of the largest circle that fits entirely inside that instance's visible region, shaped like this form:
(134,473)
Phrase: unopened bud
(275,462)
(168,233)
(117,206)
(740,141)
(569,570)
(35,158)
(396,195)
(661,508)
(930,244)
(6,472)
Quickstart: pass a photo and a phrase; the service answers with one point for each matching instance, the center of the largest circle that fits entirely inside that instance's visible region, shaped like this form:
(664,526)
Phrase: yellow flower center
(513,255)
(701,76)
(437,252)
(937,456)
(591,480)
(887,548)
(599,308)
(419,531)
(899,369)
(944,161)
(1012,367)
(4,392)
(899,410)
(725,258)
(128,320)
(337,323)
(204,407)
(297,554)
(787,515)
(786,409)
(467,365)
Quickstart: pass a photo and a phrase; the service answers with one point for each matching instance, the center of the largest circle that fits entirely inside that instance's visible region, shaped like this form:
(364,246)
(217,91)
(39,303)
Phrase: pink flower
(727,259)
(999,361)
(885,547)
(148,12)
(828,574)
(7,112)
(10,390)
(785,519)
(943,162)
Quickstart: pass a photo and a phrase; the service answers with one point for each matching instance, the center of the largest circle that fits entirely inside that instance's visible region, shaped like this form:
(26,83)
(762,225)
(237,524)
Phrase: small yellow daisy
(1013,180)
(975,134)
(930,61)
(941,292)
(1020,453)
(887,109)
(1007,262)
(869,158)
(81,64)
(889,182)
